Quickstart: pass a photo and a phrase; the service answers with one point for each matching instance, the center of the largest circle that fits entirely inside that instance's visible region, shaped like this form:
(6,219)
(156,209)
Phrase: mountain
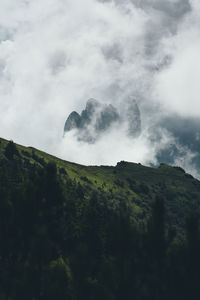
(134,183)
(97,118)
(69,231)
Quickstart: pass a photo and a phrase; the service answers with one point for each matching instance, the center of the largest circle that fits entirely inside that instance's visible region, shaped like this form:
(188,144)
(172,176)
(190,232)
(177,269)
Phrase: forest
(61,238)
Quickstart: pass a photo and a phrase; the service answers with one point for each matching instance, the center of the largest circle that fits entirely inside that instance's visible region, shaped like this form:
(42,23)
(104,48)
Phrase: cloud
(56,54)
(109,149)
(177,87)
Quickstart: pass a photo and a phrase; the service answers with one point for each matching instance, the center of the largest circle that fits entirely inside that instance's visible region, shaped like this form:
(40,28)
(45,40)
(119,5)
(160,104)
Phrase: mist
(56,54)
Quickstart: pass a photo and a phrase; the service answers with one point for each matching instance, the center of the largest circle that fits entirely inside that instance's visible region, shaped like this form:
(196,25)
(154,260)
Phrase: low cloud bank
(54,55)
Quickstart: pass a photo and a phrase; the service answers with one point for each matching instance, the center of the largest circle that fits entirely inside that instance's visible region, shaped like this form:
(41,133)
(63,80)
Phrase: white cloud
(56,54)
(113,147)
(39,88)
(177,87)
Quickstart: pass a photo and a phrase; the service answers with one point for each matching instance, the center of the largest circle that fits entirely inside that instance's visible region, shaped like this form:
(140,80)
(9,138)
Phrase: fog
(56,54)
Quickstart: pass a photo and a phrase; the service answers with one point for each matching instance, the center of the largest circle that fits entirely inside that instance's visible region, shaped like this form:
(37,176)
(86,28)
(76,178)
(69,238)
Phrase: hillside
(134,183)
(69,231)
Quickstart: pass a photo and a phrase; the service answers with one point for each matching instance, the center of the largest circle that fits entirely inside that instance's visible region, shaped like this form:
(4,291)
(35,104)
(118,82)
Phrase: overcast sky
(55,54)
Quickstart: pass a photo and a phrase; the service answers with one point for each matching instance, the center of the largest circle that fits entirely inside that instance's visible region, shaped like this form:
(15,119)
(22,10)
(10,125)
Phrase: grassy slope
(135,183)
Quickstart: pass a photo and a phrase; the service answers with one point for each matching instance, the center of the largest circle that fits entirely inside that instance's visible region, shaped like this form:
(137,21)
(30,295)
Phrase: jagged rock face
(73,121)
(96,118)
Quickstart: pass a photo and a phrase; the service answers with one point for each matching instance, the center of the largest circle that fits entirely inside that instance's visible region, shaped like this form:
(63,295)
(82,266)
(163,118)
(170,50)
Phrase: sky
(56,54)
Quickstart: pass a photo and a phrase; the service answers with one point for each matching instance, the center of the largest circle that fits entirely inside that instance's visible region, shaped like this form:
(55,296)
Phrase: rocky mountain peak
(97,117)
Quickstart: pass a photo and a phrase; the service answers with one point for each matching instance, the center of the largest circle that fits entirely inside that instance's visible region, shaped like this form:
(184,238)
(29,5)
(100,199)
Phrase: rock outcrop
(97,118)
(73,121)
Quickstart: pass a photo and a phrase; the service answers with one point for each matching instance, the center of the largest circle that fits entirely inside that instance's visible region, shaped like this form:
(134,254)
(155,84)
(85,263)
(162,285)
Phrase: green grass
(136,184)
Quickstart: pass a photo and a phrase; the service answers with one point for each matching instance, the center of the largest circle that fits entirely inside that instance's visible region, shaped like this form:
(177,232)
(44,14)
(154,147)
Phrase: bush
(62,171)
(119,183)
(84,178)
(26,153)
(144,188)
(121,164)
(11,150)
(57,281)
(40,160)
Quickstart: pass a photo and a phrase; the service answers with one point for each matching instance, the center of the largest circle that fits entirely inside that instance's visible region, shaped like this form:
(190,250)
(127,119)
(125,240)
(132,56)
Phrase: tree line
(57,241)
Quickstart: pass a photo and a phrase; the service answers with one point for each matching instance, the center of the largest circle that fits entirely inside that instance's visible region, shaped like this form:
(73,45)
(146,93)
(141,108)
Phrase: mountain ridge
(75,232)
(133,183)
(98,117)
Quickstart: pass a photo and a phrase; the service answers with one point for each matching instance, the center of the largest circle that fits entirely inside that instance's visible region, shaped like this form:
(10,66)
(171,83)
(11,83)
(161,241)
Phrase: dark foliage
(61,240)
(120,183)
(84,178)
(62,171)
(26,153)
(11,150)
(38,159)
